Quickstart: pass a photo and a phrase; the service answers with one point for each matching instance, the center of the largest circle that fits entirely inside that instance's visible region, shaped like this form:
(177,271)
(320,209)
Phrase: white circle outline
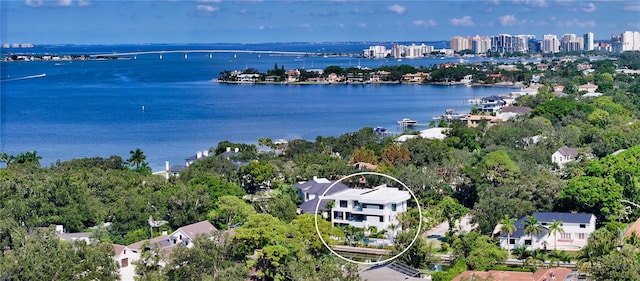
(358,262)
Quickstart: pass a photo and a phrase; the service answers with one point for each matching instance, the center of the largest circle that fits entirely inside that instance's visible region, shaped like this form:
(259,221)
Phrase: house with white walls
(564,155)
(379,206)
(576,229)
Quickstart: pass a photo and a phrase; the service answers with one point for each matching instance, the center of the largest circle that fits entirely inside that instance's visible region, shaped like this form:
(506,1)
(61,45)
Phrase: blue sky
(258,21)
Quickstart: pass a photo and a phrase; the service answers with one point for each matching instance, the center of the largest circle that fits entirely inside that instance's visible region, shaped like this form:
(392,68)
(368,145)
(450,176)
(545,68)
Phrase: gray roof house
(577,227)
(310,192)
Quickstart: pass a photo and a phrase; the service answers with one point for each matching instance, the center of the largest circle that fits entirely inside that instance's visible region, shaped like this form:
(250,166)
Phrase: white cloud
(362,24)
(65,3)
(634,25)
(428,22)
(305,25)
(34,3)
(575,22)
(590,9)
(208,1)
(261,27)
(397,9)
(633,8)
(532,3)
(84,3)
(206,8)
(507,20)
(463,21)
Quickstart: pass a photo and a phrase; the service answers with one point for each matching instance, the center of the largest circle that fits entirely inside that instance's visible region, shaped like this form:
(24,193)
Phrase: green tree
(507,224)
(137,158)
(554,228)
(532,227)
(364,154)
(231,210)
(419,255)
(42,256)
(619,265)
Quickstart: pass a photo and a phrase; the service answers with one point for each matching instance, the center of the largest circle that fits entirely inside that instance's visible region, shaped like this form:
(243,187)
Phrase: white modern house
(363,208)
(564,155)
(577,227)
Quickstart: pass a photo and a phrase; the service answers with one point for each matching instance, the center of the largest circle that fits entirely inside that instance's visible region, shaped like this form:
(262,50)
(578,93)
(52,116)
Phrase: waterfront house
(199,155)
(379,207)
(293,75)
(492,104)
(417,77)
(475,120)
(310,192)
(564,155)
(577,227)
(391,271)
(379,76)
(248,78)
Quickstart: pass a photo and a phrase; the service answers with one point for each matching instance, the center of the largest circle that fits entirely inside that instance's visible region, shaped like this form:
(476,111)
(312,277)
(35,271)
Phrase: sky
(264,21)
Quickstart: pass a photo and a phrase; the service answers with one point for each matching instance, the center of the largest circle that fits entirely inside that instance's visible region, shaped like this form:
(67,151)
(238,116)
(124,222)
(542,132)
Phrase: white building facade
(363,208)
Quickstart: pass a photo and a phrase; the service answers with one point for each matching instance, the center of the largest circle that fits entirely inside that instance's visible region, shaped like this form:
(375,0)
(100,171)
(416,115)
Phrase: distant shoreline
(516,85)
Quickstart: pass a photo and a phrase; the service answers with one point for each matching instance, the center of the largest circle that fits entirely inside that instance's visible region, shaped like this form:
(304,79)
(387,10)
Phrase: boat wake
(24,77)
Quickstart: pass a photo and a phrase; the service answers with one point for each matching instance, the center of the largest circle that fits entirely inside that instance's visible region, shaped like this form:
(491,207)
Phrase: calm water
(94,108)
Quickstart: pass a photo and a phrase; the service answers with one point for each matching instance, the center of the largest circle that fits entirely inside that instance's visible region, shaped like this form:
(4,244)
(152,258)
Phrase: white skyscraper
(550,44)
(588,41)
(630,41)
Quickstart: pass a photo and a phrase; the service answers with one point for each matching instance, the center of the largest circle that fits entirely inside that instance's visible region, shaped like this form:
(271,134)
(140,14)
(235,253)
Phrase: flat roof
(377,195)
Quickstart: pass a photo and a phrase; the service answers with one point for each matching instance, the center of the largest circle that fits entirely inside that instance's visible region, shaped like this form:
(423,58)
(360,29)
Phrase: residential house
(475,120)
(379,206)
(199,155)
(564,155)
(355,78)
(509,112)
(167,243)
(293,75)
(577,227)
(589,88)
(70,237)
(310,192)
(248,78)
(124,256)
(417,77)
(543,274)
(379,76)
(390,271)
(492,104)
(436,133)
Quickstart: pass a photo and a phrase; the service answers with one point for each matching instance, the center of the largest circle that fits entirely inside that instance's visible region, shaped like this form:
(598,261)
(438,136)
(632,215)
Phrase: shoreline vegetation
(501,84)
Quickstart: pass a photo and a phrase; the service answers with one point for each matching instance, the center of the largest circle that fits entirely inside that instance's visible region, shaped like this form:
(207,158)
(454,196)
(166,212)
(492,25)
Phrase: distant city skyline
(257,21)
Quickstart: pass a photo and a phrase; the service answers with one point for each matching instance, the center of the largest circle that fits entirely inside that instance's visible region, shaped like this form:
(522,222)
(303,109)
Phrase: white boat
(450,114)
(406,122)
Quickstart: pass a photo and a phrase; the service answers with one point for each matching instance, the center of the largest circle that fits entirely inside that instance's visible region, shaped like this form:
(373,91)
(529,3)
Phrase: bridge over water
(210,52)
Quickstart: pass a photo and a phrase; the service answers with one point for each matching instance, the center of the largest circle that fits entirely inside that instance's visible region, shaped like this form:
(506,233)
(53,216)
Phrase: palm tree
(137,157)
(30,158)
(508,225)
(555,228)
(522,254)
(6,158)
(532,227)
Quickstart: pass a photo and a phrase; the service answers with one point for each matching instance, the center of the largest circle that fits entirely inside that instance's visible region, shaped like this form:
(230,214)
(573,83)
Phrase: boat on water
(406,122)
(450,114)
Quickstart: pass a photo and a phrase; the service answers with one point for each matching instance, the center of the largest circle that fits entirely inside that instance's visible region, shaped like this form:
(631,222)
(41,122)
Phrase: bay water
(170,107)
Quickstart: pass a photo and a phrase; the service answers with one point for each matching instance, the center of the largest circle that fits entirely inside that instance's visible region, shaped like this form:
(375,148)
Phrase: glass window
(527,242)
(512,241)
(582,225)
(343,203)
(381,219)
(393,207)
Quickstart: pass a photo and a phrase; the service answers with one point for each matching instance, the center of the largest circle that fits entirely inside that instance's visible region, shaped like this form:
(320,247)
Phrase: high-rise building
(459,43)
(550,44)
(570,43)
(588,41)
(505,43)
(480,45)
(630,41)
